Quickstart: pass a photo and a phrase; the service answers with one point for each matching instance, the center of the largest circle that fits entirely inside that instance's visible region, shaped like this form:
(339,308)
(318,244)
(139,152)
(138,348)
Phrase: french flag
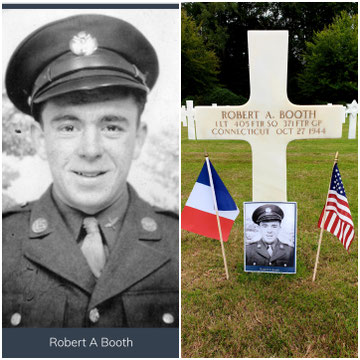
(199,213)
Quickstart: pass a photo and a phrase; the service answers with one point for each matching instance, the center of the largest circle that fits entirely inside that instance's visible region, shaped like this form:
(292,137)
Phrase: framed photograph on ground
(270,237)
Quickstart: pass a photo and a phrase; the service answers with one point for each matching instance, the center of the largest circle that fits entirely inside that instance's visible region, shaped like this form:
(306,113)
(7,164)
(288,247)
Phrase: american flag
(338,219)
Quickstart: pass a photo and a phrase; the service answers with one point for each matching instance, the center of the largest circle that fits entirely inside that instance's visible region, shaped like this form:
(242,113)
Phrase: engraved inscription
(263,123)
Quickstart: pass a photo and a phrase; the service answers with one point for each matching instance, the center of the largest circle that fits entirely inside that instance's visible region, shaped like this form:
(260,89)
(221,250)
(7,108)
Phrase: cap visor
(269,218)
(87,83)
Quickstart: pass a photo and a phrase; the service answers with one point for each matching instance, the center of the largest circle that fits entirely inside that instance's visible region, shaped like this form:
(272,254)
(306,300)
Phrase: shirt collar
(72,218)
(109,219)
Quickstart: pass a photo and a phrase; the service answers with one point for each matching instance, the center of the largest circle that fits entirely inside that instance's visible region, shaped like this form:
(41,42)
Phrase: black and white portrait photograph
(270,237)
(90,168)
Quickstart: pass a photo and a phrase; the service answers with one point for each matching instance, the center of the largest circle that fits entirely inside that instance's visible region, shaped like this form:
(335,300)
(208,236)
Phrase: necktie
(270,250)
(92,246)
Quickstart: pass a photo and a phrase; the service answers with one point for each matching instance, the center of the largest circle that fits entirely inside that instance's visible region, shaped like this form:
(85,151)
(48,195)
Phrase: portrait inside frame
(270,237)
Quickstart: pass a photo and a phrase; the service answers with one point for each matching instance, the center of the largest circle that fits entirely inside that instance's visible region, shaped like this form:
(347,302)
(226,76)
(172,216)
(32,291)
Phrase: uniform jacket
(257,254)
(48,283)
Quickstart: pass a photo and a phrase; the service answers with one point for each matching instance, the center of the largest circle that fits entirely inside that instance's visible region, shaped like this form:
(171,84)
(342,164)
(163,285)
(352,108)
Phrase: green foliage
(16,136)
(212,17)
(222,96)
(8,175)
(159,166)
(270,315)
(217,95)
(7,202)
(330,73)
(198,64)
(223,28)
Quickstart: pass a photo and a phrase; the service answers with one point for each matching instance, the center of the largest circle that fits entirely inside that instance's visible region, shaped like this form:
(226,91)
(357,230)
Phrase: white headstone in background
(190,116)
(183,115)
(352,110)
(268,121)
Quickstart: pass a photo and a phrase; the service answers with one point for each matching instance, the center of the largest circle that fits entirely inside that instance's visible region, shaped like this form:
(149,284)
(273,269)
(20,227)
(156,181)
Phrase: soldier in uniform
(90,252)
(269,250)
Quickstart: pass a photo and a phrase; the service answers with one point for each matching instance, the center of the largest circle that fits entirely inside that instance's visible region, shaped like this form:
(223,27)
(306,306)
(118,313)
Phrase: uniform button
(269,263)
(94,315)
(15,319)
(168,318)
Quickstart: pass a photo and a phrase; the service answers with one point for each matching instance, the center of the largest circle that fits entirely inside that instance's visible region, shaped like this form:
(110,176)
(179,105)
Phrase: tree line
(322,63)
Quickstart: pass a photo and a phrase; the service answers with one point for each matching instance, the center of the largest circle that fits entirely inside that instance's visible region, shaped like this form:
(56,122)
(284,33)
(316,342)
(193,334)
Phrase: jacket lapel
(279,251)
(51,245)
(133,256)
(262,250)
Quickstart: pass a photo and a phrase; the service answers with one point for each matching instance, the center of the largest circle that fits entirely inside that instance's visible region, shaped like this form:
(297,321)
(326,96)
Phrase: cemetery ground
(271,315)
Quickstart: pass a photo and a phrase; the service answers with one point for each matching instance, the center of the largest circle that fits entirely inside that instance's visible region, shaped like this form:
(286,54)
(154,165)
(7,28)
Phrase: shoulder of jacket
(166,213)
(144,209)
(17,210)
(16,221)
(253,244)
(284,245)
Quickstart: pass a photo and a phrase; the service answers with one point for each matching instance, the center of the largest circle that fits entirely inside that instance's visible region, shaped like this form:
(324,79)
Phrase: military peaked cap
(81,52)
(267,212)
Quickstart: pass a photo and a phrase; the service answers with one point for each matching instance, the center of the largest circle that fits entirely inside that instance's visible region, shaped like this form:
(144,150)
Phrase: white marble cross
(268,121)
(352,110)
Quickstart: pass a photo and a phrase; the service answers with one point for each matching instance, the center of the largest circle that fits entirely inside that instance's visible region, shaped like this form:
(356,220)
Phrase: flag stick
(322,223)
(217,214)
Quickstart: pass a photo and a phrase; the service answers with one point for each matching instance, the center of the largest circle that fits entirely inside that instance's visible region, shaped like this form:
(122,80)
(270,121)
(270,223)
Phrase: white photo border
(271,269)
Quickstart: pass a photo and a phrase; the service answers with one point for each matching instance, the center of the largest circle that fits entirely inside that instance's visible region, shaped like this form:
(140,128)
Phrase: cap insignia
(148,224)
(268,210)
(83,44)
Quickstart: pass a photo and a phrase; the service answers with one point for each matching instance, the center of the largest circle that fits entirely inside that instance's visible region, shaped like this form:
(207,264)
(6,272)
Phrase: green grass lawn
(270,315)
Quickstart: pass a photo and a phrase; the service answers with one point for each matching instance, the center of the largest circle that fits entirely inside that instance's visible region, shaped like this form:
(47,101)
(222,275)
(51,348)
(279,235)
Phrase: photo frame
(270,237)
